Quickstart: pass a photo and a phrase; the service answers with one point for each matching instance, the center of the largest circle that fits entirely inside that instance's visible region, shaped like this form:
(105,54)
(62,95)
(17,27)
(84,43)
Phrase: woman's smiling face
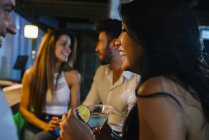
(130,51)
(62,48)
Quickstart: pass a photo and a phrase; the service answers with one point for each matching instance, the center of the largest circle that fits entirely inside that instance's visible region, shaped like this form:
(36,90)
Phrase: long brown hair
(42,71)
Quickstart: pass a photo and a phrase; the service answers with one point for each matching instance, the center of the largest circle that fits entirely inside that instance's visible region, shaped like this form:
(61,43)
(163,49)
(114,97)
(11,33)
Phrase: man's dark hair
(112,27)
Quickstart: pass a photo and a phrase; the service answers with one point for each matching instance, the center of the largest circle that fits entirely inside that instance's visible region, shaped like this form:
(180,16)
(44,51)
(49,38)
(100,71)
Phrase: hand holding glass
(94,115)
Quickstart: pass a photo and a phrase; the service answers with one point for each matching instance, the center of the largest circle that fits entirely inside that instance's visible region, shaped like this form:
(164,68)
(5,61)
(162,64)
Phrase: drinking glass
(98,116)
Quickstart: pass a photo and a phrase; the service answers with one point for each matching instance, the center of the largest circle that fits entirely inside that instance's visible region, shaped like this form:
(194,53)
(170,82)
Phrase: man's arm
(132,96)
(93,95)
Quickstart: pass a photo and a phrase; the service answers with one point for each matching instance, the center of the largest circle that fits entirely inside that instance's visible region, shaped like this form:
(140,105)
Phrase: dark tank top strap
(160,94)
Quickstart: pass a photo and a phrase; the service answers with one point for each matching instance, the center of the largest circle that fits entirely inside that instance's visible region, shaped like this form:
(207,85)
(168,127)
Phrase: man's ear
(112,44)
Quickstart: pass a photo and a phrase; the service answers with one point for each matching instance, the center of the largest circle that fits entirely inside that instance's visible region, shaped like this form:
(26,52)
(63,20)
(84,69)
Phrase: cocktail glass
(98,116)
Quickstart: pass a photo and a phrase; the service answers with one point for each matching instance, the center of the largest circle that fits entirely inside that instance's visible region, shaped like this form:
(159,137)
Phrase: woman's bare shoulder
(72,73)
(27,74)
(72,76)
(179,102)
(154,85)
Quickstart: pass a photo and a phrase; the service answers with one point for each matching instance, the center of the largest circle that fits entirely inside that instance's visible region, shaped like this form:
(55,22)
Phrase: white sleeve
(132,95)
(8,129)
(93,95)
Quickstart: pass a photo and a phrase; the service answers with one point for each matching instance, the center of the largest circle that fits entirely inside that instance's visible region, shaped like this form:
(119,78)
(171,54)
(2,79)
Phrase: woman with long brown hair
(48,90)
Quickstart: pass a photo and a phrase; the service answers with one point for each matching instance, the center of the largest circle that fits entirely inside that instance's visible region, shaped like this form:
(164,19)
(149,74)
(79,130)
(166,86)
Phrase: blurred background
(78,16)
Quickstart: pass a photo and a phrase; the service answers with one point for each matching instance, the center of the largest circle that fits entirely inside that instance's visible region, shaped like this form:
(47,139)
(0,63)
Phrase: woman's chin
(124,66)
(63,60)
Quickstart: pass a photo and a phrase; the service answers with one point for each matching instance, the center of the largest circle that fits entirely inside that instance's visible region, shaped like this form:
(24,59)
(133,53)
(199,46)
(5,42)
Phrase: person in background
(49,90)
(111,85)
(160,40)
(7,25)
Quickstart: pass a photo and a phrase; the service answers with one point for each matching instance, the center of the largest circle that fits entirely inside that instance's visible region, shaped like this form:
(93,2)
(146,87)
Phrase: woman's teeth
(122,53)
(65,54)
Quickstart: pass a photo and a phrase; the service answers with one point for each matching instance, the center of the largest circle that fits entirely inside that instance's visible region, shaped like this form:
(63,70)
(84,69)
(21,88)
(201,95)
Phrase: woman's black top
(131,127)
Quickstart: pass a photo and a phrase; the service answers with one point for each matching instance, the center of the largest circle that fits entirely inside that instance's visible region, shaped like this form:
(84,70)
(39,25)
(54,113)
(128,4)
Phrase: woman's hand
(52,124)
(72,128)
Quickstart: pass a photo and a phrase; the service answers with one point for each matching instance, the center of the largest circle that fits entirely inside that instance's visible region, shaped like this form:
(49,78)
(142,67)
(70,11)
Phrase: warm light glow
(31,31)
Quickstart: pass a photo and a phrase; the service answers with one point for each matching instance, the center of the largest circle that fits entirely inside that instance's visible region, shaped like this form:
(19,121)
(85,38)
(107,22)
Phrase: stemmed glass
(98,115)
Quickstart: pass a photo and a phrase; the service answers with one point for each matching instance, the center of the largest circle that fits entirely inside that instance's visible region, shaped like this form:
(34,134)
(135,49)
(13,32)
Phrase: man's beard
(108,57)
